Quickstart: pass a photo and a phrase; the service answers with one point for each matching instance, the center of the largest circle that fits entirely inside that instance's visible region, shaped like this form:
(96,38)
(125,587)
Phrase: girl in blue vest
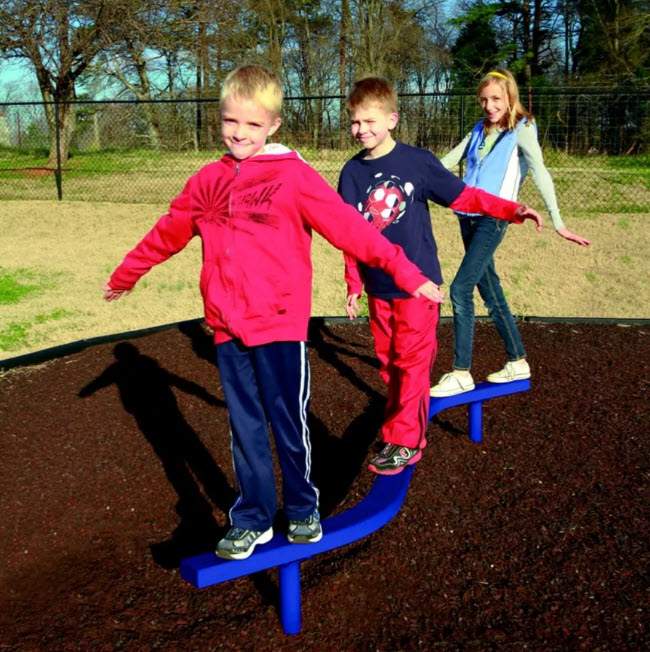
(499,151)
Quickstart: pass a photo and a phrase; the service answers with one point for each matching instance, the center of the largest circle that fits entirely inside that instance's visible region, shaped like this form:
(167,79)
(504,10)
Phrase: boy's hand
(111,295)
(352,306)
(431,291)
(528,213)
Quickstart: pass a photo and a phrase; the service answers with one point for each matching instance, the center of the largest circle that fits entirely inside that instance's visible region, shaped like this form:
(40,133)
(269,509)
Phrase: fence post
(461,130)
(57,172)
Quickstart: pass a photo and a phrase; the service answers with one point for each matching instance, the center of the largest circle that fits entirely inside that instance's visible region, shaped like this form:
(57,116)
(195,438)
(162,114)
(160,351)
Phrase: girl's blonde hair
(254,82)
(515,110)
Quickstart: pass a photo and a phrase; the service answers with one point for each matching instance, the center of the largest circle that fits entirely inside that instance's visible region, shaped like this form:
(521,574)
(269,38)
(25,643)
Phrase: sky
(17,82)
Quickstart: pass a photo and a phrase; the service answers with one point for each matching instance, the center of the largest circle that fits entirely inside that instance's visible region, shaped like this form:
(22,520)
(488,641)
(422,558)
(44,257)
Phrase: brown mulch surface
(116,463)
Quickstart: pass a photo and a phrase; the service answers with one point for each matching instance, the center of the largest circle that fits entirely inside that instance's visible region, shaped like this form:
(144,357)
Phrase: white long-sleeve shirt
(533,160)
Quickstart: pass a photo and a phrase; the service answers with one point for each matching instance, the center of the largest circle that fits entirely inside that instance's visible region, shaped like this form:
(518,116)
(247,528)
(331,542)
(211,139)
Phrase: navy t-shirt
(391,192)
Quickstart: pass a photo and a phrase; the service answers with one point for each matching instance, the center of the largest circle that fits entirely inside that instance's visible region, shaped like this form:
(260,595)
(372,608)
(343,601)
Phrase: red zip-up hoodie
(255,219)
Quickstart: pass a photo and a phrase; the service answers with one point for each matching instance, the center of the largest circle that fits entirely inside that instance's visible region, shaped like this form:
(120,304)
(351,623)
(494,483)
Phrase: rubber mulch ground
(116,463)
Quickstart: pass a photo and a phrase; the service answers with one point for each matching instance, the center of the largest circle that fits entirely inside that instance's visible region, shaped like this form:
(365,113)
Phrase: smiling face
(245,126)
(371,125)
(494,102)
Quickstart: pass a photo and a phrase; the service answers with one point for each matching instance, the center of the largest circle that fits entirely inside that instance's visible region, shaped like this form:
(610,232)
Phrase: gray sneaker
(393,459)
(307,531)
(239,543)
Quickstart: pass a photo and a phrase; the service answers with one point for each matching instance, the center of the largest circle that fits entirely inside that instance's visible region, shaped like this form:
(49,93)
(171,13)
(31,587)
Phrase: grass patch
(176,286)
(636,162)
(17,284)
(15,335)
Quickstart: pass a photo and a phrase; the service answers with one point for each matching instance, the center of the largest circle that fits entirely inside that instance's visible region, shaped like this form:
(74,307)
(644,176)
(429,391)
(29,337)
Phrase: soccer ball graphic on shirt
(387,201)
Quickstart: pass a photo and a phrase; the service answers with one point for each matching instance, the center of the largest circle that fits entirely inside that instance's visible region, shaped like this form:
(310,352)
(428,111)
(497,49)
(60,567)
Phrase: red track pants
(406,343)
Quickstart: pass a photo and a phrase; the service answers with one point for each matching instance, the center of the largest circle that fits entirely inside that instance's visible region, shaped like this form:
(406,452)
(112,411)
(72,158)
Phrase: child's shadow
(145,390)
(337,461)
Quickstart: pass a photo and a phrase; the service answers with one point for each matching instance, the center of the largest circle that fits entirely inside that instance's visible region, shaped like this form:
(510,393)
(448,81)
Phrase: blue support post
(373,512)
(474,400)
(476,421)
(290,602)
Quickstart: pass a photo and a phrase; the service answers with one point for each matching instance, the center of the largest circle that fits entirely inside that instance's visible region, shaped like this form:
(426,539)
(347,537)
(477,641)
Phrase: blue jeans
(481,237)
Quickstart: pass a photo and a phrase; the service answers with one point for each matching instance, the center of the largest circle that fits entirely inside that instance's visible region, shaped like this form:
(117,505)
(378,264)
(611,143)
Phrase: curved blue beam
(482,392)
(383,501)
(373,512)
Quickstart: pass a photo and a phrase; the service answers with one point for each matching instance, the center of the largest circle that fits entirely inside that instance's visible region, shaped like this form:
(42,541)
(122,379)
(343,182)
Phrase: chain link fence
(595,144)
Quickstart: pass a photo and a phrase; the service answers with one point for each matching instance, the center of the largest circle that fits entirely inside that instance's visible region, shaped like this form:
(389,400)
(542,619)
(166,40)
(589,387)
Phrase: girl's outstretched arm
(573,237)
(529,147)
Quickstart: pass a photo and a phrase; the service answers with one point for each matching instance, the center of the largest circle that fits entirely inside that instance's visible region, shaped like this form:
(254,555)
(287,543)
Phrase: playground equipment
(380,505)
(474,401)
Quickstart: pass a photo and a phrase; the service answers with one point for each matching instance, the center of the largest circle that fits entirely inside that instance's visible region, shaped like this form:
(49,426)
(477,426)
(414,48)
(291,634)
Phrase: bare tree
(144,56)
(344,29)
(60,38)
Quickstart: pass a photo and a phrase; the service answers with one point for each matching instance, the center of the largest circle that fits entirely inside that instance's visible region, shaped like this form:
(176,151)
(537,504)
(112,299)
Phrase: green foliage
(614,40)
(475,51)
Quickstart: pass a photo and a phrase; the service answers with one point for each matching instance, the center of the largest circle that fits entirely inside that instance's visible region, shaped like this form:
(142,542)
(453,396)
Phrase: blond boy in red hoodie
(254,210)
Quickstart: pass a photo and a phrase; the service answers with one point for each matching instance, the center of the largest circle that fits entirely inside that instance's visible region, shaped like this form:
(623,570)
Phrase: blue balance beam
(373,512)
(474,401)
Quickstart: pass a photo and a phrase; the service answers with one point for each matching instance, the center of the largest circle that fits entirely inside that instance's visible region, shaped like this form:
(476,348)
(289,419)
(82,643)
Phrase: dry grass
(70,248)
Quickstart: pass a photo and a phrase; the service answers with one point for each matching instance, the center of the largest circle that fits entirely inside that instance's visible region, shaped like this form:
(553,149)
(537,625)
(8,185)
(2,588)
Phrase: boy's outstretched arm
(344,227)
(113,295)
(475,200)
(352,305)
(353,279)
(431,291)
(168,236)
(528,213)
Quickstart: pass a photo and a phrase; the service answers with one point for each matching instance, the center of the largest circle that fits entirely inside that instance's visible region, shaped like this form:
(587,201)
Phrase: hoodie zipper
(228,279)
(230,193)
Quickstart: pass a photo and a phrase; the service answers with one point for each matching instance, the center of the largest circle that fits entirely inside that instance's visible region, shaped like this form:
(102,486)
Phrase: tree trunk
(536,39)
(61,118)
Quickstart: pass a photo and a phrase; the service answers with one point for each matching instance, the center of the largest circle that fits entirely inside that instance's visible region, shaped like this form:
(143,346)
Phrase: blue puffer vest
(500,171)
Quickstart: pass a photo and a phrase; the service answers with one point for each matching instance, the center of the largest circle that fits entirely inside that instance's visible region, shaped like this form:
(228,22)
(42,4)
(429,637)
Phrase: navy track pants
(268,385)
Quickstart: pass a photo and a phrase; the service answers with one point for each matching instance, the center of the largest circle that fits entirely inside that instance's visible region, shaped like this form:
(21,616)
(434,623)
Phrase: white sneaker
(515,370)
(455,382)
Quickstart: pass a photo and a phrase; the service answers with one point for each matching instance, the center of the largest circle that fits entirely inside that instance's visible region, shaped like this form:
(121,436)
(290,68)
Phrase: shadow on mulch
(117,464)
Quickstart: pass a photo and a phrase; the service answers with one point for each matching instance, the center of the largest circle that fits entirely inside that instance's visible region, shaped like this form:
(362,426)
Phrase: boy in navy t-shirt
(390,184)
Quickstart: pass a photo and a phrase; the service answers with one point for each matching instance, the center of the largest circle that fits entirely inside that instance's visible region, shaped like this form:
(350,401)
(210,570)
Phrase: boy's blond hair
(515,110)
(373,90)
(254,82)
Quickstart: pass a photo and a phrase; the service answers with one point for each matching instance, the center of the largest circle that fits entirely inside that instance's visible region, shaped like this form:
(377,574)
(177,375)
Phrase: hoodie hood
(270,152)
